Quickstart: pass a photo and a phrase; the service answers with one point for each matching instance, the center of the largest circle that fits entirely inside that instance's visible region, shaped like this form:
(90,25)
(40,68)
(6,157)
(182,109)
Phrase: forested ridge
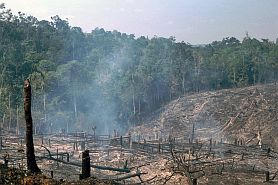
(108,78)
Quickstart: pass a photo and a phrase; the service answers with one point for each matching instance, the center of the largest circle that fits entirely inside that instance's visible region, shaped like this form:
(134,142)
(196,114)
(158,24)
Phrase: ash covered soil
(16,176)
(244,119)
(241,113)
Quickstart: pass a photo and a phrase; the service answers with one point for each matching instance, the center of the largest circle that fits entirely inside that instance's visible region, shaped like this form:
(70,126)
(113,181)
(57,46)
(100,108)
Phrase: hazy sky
(193,21)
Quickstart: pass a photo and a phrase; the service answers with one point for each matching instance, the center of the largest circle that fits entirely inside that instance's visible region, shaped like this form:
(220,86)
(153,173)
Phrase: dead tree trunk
(30,153)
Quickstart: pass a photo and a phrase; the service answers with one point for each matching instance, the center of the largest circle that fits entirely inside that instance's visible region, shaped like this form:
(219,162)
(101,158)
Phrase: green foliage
(108,77)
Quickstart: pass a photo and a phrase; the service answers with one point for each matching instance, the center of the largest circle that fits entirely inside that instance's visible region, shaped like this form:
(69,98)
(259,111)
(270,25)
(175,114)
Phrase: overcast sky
(193,21)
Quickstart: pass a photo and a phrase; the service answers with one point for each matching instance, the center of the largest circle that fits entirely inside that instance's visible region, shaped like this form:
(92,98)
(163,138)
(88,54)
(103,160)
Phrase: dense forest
(110,79)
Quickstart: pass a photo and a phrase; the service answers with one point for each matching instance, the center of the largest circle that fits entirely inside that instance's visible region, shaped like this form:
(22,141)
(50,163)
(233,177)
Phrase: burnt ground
(234,142)
(17,176)
(228,114)
(241,117)
(154,168)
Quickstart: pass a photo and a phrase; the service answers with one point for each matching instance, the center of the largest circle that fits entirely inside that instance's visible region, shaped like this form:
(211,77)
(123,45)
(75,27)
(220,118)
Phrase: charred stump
(86,168)
(30,152)
(267,176)
(194,181)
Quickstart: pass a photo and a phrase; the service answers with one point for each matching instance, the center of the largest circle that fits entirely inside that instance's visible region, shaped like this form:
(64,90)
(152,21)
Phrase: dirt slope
(247,114)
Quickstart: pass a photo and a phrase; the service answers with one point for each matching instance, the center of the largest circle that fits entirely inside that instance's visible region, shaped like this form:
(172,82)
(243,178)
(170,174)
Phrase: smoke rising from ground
(86,105)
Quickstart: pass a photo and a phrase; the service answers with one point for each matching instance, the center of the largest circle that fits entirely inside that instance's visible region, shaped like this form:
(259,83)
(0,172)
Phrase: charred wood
(30,153)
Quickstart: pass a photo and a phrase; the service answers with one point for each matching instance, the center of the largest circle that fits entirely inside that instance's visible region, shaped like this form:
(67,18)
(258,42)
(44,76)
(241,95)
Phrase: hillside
(242,114)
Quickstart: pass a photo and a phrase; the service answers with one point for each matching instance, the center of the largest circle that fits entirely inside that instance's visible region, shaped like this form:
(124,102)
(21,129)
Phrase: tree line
(110,79)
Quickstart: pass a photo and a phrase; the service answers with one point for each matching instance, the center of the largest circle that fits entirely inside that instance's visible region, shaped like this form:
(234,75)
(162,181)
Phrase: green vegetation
(108,78)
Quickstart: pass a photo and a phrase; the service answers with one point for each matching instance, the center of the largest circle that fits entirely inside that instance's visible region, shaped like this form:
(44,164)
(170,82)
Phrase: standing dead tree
(30,152)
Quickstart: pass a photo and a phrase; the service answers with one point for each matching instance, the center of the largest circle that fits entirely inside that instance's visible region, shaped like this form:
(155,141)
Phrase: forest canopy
(110,79)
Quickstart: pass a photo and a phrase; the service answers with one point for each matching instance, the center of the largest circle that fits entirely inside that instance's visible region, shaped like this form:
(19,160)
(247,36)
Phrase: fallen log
(137,174)
(126,170)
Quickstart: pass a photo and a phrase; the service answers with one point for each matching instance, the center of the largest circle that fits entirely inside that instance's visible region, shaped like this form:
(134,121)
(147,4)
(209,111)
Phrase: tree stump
(86,168)
(267,176)
(194,181)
